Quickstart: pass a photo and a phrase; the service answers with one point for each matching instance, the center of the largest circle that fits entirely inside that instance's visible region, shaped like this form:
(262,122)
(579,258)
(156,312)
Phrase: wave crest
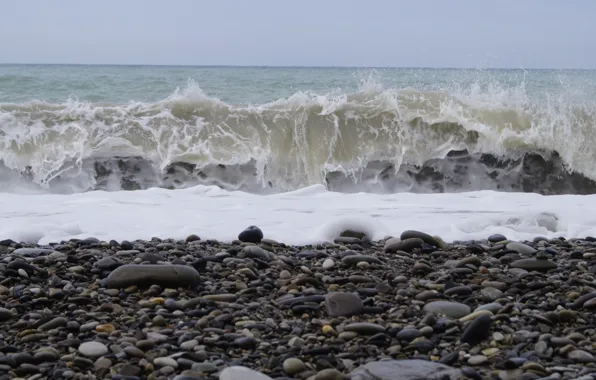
(376,139)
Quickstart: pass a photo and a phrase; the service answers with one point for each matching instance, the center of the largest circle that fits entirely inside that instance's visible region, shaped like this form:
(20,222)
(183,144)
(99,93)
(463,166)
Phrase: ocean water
(127,152)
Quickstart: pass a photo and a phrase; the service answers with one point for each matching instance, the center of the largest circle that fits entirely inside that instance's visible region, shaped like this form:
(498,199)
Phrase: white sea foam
(308,215)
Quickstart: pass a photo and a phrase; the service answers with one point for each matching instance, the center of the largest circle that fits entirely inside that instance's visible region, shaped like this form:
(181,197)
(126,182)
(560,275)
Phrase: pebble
(153,274)
(293,366)
(448,308)
(251,234)
(93,349)
(342,304)
(477,330)
(241,373)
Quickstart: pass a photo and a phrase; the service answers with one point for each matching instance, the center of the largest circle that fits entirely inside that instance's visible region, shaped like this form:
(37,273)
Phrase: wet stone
(448,308)
(343,304)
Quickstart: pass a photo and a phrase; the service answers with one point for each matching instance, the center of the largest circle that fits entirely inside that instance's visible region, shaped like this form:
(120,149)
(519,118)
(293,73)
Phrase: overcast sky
(414,33)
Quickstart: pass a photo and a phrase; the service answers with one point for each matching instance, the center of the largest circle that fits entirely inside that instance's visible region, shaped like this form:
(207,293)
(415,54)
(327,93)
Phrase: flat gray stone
(32,252)
(147,275)
(428,239)
(405,370)
(365,328)
(355,259)
(539,265)
(342,304)
(521,248)
(450,309)
(242,373)
(407,245)
(93,349)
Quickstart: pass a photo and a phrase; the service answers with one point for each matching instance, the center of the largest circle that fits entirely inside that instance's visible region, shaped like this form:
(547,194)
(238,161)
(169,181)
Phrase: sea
(135,152)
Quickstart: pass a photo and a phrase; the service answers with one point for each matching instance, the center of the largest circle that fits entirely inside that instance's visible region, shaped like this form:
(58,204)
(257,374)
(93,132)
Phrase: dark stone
(408,335)
(107,263)
(477,330)
(428,239)
(496,238)
(126,245)
(539,265)
(251,234)
(407,245)
(191,238)
(147,275)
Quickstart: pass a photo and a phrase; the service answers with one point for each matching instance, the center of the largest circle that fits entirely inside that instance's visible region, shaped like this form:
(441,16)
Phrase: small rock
(448,308)
(477,330)
(165,362)
(251,234)
(293,366)
(242,373)
(93,349)
(340,304)
(152,274)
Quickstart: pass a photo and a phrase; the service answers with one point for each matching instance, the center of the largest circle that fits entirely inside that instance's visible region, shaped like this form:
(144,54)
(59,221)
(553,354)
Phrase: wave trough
(380,140)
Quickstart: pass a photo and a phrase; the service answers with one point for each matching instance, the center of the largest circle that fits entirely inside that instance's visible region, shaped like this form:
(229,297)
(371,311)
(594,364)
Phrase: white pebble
(93,349)
(328,263)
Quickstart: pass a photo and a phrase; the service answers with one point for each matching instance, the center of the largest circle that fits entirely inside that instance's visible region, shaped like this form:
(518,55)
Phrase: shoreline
(354,308)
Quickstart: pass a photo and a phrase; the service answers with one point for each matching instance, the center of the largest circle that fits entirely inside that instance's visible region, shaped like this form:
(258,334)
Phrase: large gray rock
(405,370)
(450,309)
(147,275)
(341,304)
(241,373)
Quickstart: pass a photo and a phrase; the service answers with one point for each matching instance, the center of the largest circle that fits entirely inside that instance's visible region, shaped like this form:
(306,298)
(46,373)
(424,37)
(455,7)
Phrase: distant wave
(373,140)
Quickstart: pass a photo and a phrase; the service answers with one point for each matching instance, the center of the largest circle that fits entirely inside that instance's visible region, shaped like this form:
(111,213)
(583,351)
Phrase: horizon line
(290,66)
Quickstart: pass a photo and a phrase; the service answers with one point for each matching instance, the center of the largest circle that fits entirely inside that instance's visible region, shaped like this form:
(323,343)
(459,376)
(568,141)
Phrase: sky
(382,33)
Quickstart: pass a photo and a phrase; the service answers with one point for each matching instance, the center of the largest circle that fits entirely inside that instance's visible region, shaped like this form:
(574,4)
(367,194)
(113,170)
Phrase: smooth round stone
(191,238)
(408,335)
(293,366)
(152,274)
(328,263)
(342,304)
(491,294)
(355,259)
(409,369)
(458,290)
(477,359)
(330,374)
(5,314)
(296,342)
(590,304)
(496,238)
(492,307)
(93,349)
(165,362)
(205,367)
(251,234)
(242,373)
(581,356)
(407,245)
(539,265)
(448,308)
(477,330)
(521,248)
(221,297)
(189,344)
(413,234)
(365,328)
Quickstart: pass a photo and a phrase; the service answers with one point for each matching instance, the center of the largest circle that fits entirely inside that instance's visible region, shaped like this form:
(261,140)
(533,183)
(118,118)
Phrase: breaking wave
(373,140)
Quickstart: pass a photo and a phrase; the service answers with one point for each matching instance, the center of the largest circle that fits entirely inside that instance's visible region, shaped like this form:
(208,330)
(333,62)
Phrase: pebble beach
(405,307)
